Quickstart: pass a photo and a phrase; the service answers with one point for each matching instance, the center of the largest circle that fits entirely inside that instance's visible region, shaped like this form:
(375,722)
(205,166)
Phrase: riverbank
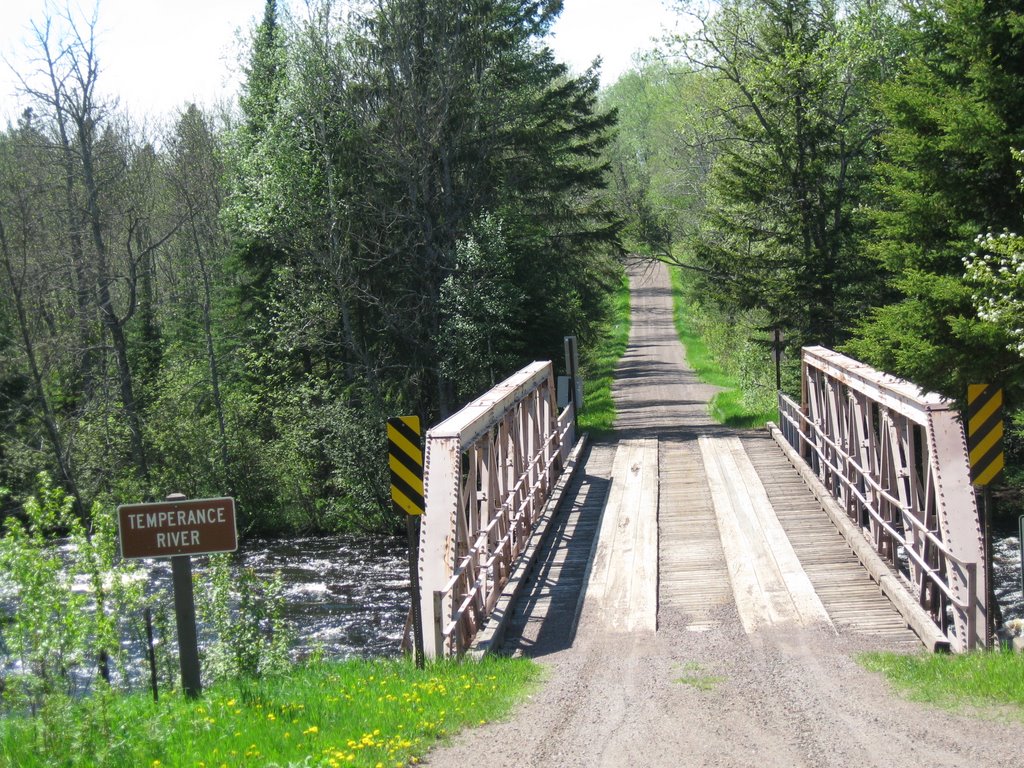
(354,713)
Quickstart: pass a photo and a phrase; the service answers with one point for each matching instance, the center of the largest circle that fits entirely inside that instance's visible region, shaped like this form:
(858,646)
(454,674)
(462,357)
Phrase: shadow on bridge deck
(694,583)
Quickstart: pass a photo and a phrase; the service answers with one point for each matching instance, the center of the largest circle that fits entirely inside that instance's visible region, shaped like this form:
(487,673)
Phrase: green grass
(726,407)
(702,682)
(971,680)
(356,713)
(597,416)
(729,409)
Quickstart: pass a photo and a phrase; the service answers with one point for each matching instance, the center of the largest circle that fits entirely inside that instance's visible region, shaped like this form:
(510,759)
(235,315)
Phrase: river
(346,595)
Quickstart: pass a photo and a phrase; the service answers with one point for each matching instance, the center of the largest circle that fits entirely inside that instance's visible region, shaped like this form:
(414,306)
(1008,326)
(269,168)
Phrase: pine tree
(794,145)
(953,116)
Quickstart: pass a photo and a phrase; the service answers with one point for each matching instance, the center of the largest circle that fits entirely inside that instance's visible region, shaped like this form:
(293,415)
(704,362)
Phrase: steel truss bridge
(886,463)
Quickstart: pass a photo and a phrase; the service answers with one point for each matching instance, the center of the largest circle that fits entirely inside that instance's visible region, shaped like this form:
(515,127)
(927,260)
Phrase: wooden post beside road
(572,370)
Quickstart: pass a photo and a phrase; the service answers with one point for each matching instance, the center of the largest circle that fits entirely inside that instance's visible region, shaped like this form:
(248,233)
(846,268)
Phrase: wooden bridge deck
(746,538)
(693,575)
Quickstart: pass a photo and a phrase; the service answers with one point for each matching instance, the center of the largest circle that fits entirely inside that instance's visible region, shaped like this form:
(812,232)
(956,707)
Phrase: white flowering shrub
(995,271)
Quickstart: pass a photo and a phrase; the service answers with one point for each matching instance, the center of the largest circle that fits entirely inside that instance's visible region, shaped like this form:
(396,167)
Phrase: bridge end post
(957,512)
(441,491)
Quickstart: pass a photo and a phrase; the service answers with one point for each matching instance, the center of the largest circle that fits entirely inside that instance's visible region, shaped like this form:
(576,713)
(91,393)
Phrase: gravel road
(717,697)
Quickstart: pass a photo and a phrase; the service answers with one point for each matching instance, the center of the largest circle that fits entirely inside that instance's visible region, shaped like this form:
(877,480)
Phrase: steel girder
(489,470)
(896,459)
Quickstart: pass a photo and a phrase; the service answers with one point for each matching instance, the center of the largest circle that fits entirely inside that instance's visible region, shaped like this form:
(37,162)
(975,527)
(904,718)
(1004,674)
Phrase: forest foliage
(412,199)
(404,208)
(848,172)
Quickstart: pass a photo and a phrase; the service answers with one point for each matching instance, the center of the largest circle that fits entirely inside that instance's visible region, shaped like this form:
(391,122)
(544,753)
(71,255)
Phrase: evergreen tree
(794,145)
(265,82)
(953,116)
(388,144)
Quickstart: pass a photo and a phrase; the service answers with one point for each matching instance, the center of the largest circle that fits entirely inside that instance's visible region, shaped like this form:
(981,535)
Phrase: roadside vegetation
(355,713)
(598,414)
(75,686)
(961,681)
(235,302)
(733,355)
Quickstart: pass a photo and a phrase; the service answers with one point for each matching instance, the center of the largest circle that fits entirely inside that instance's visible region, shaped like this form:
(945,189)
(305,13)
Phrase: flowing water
(1006,574)
(347,595)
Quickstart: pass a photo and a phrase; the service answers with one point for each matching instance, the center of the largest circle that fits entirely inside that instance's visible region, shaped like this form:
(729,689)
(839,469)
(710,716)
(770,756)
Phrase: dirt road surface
(708,694)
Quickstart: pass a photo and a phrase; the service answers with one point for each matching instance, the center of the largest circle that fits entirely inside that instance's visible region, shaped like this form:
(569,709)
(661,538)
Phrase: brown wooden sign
(169,528)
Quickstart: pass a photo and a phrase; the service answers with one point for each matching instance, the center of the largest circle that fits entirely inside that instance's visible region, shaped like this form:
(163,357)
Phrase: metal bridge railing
(896,460)
(489,470)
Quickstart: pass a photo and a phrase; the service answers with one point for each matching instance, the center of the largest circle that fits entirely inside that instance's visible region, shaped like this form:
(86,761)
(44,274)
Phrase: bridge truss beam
(896,459)
(489,470)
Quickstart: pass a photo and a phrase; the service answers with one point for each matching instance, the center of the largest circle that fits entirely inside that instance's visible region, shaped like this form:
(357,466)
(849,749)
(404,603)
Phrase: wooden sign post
(179,528)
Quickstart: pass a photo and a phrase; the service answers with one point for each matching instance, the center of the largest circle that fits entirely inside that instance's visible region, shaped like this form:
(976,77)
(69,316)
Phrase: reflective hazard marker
(405,458)
(985,433)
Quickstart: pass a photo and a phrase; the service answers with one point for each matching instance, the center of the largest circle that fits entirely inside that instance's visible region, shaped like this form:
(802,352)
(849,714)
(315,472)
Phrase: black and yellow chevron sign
(405,458)
(985,432)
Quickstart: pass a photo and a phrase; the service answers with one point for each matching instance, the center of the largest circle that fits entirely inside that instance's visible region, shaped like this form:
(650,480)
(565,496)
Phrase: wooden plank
(852,598)
(544,619)
(769,584)
(621,591)
(693,577)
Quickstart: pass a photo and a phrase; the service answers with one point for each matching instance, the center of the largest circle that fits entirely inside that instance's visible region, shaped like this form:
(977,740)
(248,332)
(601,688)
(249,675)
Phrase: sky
(156,55)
